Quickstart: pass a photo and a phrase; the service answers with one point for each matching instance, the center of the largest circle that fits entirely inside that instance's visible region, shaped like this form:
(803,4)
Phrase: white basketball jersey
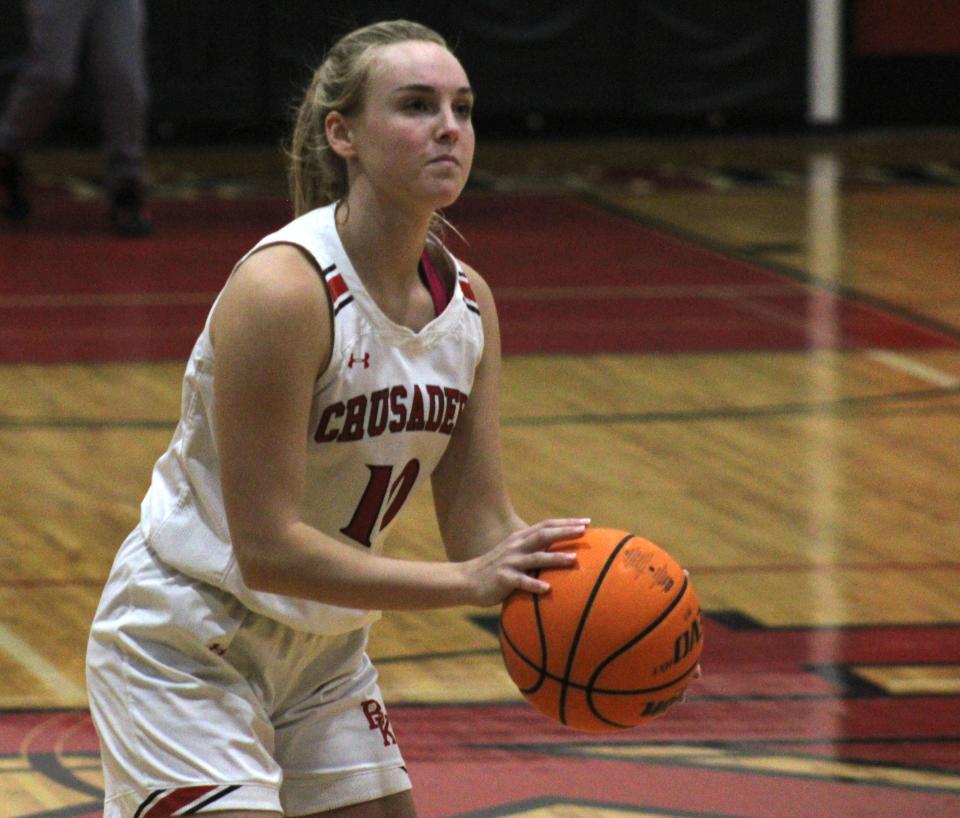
(381,418)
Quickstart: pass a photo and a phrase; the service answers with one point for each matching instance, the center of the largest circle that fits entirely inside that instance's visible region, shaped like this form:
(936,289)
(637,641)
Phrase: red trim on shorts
(169,803)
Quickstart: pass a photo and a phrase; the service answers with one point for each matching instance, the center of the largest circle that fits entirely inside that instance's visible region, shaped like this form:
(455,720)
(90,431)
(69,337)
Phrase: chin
(444,190)
(449,200)
(437,199)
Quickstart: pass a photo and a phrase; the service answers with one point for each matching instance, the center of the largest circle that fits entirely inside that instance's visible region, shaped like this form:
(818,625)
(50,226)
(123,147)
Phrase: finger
(538,561)
(532,585)
(545,559)
(561,521)
(540,538)
(555,523)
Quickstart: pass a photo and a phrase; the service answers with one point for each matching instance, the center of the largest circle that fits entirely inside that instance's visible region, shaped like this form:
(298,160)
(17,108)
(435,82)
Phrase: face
(413,139)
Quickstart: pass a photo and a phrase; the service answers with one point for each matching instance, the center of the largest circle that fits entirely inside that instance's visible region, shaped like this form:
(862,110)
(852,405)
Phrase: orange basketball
(615,640)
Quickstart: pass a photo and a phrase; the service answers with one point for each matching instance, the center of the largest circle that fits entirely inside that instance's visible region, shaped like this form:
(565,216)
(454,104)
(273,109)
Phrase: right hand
(504,568)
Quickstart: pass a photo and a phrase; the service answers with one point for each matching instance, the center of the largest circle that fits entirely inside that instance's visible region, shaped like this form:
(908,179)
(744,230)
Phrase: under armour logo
(365,360)
(378,720)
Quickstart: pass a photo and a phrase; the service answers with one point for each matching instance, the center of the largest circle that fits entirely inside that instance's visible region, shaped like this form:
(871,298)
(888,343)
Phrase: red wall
(906,27)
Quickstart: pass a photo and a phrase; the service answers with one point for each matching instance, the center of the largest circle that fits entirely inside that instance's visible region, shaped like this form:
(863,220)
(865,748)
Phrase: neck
(384,241)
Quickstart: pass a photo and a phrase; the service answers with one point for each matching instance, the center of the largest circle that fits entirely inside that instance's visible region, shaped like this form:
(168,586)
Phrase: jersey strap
(468,297)
(339,291)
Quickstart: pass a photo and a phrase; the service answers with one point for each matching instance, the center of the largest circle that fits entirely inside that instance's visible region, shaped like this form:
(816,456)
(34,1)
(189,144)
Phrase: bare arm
(473,508)
(271,332)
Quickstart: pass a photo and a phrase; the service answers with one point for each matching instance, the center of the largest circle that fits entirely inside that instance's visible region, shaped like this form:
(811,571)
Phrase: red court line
(722,303)
(569,278)
(102,333)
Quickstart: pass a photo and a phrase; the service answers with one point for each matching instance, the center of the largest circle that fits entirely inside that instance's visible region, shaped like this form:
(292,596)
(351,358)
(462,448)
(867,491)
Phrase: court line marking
(923,372)
(525,293)
(50,676)
(53,582)
(80,300)
(848,405)
(807,567)
(598,199)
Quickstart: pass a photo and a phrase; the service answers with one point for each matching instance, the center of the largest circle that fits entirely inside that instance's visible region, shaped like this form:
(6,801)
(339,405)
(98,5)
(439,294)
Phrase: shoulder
(279,276)
(277,287)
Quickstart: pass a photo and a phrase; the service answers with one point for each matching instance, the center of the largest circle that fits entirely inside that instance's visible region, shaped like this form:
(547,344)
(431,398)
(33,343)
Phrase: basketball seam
(645,632)
(538,617)
(606,691)
(571,654)
(542,670)
(590,689)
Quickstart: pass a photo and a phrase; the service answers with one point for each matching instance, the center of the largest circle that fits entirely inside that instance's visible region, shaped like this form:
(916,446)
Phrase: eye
(463,109)
(416,105)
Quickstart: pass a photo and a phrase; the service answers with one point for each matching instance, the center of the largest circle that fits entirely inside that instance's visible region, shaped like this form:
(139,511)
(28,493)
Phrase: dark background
(232,69)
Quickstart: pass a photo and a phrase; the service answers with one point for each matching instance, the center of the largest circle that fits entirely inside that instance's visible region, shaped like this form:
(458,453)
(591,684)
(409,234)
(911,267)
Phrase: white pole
(826,472)
(824,65)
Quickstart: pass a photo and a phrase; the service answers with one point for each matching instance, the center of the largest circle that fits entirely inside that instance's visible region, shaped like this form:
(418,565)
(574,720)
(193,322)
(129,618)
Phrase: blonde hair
(317,175)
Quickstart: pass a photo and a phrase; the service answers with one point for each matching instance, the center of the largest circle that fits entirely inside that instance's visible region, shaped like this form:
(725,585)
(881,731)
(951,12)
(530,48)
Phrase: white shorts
(203,705)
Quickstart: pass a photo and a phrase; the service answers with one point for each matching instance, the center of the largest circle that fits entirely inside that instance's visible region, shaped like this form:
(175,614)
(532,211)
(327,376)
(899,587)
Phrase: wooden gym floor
(747,350)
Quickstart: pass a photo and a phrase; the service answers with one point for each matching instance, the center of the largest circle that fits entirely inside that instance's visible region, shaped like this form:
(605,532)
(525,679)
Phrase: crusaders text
(419,408)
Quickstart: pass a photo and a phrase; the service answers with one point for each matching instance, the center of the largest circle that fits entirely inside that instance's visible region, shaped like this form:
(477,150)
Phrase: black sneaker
(128,214)
(15,205)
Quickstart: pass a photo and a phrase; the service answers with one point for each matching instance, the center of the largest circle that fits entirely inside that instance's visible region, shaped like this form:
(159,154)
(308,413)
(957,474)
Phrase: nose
(448,127)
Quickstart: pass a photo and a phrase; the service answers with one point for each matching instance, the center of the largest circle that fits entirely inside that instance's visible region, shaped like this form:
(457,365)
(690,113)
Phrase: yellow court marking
(61,687)
(467,679)
(846,771)
(801,766)
(25,790)
(30,792)
(913,680)
(627,752)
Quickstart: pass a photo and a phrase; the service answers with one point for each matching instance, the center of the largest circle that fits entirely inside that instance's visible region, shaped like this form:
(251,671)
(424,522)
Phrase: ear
(339,135)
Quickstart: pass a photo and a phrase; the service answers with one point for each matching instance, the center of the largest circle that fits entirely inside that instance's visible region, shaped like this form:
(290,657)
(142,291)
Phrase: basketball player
(348,358)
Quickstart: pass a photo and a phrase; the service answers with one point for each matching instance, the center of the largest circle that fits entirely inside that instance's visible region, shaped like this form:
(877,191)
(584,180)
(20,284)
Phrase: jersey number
(376,493)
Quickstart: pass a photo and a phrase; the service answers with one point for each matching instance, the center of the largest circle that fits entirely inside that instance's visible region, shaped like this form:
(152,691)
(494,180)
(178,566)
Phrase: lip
(445,159)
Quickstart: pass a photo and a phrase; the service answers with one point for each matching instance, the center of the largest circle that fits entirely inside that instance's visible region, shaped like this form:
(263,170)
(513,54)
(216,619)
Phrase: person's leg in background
(117,54)
(56,29)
